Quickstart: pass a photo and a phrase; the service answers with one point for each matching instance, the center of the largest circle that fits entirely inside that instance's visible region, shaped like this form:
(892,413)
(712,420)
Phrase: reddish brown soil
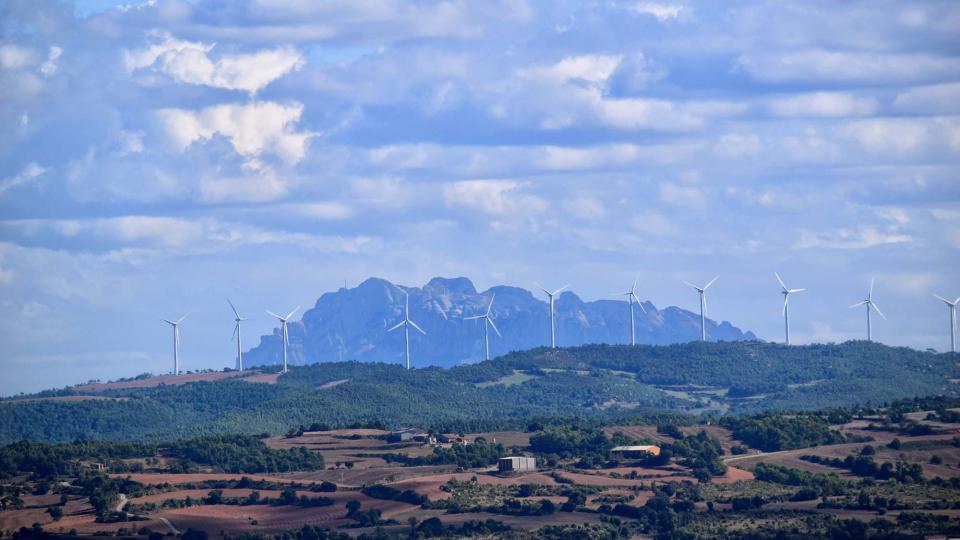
(66,399)
(263,378)
(163,380)
(733,475)
(174,479)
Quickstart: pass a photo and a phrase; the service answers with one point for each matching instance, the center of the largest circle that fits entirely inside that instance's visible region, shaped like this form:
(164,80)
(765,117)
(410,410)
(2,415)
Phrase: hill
(593,382)
(353,323)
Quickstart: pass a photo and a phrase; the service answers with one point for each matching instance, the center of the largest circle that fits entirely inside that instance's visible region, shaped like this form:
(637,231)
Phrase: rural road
(169,525)
(121,503)
(731,459)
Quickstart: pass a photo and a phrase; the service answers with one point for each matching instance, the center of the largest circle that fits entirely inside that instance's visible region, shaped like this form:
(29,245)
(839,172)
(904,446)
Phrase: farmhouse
(634,452)
(517,464)
(404,435)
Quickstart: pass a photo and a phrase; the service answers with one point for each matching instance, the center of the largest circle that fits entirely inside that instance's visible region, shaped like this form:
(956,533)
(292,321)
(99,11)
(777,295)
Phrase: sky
(157,158)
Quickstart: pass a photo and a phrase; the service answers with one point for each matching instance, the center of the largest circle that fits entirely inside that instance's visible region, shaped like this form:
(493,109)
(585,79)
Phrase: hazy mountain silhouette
(352,324)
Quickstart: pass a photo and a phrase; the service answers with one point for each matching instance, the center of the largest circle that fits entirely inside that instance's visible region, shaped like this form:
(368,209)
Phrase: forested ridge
(594,382)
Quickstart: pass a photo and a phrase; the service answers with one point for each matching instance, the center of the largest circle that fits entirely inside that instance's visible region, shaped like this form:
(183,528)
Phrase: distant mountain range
(352,324)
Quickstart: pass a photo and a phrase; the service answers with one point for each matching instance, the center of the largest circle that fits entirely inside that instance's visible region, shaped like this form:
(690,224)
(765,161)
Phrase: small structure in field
(407,435)
(635,452)
(517,464)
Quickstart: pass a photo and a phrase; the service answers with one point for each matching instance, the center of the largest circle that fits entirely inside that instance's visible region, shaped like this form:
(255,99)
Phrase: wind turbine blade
(705,310)
(236,328)
(786,298)
(791,291)
(272,314)
(561,289)
(707,286)
(235,312)
(858,304)
(494,327)
(541,287)
(692,285)
(292,312)
(878,310)
(475,317)
(780,280)
(413,324)
(171,323)
(634,288)
(180,320)
(872,281)
(639,303)
(942,299)
(490,305)
(957,301)
(398,325)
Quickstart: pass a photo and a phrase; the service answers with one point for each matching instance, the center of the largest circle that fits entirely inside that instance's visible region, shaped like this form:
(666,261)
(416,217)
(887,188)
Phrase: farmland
(706,482)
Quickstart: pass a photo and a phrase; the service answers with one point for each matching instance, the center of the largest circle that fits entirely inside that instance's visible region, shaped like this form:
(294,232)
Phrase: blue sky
(157,158)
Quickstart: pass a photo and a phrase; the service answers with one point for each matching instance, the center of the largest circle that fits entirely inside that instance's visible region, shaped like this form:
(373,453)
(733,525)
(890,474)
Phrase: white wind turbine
(631,296)
(703,306)
(553,326)
(487,321)
(786,300)
(953,320)
(236,333)
(869,303)
(406,323)
(283,331)
(176,342)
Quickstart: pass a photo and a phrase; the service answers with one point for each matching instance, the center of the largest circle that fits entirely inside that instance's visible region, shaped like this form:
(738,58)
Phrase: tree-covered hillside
(588,382)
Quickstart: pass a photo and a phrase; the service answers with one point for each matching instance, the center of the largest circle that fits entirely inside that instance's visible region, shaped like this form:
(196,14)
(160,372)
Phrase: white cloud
(50,66)
(825,104)
(859,238)
(737,145)
(177,235)
(189,62)
(663,12)
(495,197)
(592,68)
(904,136)
(680,196)
(31,171)
(15,57)
(262,185)
(937,99)
(253,129)
(845,66)
(585,207)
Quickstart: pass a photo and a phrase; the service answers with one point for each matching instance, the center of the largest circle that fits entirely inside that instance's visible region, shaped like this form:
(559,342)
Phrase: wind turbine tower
(553,325)
(703,306)
(236,333)
(953,320)
(283,331)
(631,296)
(786,300)
(869,303)
(406,323)
(176,342)
(487,321)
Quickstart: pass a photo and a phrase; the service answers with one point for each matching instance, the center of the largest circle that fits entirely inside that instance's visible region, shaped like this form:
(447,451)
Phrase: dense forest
(599,383)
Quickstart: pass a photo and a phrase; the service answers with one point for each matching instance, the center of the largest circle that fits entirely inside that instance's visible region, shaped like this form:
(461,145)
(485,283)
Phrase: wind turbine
(786,300)
(869,303)
(406,323)
(953,320)
(236,333)
(703,306)
(487,321)
(283,332)
(553,326)
(631,296)
(176,342)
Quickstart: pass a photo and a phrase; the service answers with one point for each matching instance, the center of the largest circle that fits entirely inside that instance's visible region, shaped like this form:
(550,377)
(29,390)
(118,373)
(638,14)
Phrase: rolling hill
(589,382)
